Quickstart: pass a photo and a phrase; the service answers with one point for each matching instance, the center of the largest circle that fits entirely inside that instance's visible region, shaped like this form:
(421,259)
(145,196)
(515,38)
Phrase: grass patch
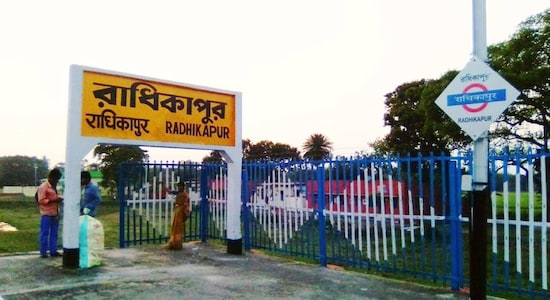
(430,251)
(22,213)
(523,206)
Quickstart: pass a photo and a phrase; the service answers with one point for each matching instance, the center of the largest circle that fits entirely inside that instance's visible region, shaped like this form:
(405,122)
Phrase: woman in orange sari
(181,213)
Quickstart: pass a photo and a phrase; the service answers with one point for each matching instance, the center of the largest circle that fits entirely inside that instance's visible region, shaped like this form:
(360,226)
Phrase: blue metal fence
(401,215)
(362,213)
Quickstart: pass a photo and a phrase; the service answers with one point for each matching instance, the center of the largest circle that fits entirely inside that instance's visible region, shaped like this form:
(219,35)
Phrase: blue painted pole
(456,231)
(122,204)
(245,210)
(204,204)
(321,214)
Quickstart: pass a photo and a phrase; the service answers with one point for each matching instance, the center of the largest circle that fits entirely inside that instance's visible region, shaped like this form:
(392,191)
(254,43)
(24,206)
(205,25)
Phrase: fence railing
(401,215)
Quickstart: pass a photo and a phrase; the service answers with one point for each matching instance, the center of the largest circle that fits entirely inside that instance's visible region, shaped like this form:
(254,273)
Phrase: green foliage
(284,151)
(416,123)
(262,151)
(524,61)
(524,206)
(214,158)
(317,147)
(259,151)
(111,157)
(267,150)
(20,170)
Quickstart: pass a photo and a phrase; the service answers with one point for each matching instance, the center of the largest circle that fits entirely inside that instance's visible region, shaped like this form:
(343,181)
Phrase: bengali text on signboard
(121,107)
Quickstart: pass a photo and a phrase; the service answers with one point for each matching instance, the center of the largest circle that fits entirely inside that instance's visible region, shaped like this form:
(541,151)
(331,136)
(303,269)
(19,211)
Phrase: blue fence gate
(146,202)
(401,215)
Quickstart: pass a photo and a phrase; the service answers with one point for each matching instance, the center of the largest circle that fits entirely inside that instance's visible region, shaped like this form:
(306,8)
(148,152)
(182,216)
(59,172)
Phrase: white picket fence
(511,231)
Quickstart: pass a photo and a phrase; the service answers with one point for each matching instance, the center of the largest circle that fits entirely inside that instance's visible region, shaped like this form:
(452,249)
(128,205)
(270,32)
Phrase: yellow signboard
(128,108)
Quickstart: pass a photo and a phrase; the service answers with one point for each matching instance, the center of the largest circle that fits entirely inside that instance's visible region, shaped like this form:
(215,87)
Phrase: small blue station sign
(476,97)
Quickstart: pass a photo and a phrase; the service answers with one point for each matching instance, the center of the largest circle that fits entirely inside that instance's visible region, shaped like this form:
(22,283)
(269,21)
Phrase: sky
(303,66)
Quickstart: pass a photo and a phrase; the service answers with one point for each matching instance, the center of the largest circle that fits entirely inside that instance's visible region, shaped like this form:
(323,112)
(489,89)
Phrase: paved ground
(199,271)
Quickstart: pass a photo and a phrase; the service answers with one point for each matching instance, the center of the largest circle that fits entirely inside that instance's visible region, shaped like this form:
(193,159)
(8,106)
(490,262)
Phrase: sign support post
(475,98)
(478,215)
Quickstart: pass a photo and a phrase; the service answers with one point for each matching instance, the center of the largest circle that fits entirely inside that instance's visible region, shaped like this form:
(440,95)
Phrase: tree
(524,61)
(246,147)
(284,151)
(267,150)
(416,123)
(214,158)
(317,147)
(22,170)
(111,157)
(258,151)
(263,150)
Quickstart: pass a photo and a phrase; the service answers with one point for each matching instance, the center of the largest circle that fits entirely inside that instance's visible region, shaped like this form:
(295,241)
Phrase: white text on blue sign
(476,97)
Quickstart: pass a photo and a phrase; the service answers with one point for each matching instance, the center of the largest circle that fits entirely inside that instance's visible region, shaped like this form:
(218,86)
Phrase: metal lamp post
(35,167)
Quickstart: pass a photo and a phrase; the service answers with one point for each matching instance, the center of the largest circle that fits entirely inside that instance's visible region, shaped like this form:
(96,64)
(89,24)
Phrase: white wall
(26,190)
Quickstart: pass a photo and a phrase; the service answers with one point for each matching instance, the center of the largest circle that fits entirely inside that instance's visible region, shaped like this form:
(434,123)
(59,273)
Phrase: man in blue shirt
(90,195)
